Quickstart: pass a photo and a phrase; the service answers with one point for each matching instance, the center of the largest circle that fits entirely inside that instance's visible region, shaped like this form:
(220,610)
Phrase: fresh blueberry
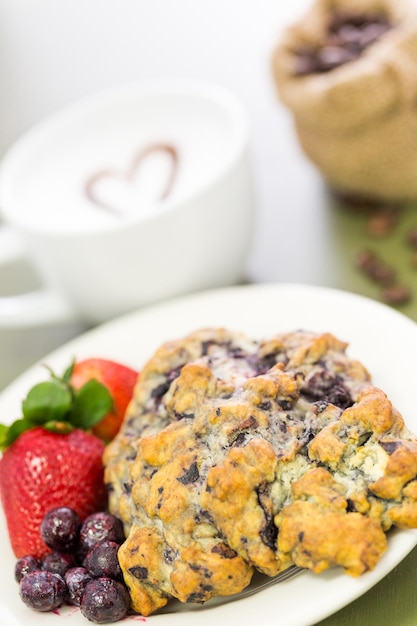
(102,560)
(76,580)
(58,562)
(60,529)
(24,565)
(42,590)
(105,600)
(99,527)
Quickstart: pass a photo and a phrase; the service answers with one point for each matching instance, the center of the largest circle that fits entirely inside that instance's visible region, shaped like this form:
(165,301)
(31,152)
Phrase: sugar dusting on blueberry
(42,590)
(60,529)
(105,600)
(102,560)
(99,527)
(76,580)
(25,565)
(58,562)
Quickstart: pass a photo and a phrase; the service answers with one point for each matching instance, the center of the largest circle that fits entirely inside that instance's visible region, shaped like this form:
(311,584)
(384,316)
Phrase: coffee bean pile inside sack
(348,35)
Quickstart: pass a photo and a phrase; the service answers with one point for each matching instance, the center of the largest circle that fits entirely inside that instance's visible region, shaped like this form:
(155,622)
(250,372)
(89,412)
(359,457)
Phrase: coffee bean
(396,294)
(372,32)
(330,57)
(383,221)
(412,236)
(375,268)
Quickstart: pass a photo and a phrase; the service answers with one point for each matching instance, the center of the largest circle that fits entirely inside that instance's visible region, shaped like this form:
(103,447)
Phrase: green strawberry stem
(57,406)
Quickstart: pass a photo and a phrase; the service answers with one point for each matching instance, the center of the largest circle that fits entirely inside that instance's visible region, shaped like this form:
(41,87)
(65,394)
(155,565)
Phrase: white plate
(384,340)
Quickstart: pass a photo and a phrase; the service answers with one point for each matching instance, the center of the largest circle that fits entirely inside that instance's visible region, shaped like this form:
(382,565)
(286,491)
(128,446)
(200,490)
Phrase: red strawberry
(48,459)
(119,380)
(42,470)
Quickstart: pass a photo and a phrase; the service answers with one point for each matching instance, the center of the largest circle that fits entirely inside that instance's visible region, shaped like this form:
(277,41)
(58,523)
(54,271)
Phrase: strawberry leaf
(90,404)
(66,376)
(8,434)
(58,407)
(47,401)
(3,432)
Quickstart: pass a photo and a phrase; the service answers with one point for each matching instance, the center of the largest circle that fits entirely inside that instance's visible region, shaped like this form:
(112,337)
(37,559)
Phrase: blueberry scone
(239,455)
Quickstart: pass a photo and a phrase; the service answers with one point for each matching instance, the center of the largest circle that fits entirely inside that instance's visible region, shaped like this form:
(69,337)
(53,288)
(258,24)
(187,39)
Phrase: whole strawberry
(42,470)
(50,461)
(119,380)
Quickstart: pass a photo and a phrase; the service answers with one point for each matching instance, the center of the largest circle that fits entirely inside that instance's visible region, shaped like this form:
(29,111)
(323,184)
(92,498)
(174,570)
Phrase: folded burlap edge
(356,122)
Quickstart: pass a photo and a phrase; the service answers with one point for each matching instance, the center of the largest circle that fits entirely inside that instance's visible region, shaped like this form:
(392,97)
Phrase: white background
(55,51)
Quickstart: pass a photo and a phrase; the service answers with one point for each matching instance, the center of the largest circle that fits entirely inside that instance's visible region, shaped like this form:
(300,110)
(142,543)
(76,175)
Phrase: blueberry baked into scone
(239,455)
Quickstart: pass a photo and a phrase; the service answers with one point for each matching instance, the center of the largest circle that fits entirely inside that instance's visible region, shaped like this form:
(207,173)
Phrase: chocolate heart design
(123,182)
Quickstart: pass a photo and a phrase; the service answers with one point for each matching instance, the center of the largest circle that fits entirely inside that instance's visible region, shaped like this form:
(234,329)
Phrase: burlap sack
(358,122)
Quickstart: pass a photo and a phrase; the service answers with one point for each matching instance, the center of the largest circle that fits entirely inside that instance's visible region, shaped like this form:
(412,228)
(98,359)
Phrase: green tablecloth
(348,235)
(393,601)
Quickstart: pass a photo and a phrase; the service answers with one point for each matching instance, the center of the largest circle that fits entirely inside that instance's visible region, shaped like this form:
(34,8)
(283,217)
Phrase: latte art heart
(148,180)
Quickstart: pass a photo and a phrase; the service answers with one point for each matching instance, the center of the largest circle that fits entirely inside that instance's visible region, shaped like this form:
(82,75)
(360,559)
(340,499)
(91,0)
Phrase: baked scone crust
(239,455)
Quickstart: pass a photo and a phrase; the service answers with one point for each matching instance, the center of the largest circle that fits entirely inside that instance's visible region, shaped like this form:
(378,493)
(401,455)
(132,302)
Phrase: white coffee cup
(130,197)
